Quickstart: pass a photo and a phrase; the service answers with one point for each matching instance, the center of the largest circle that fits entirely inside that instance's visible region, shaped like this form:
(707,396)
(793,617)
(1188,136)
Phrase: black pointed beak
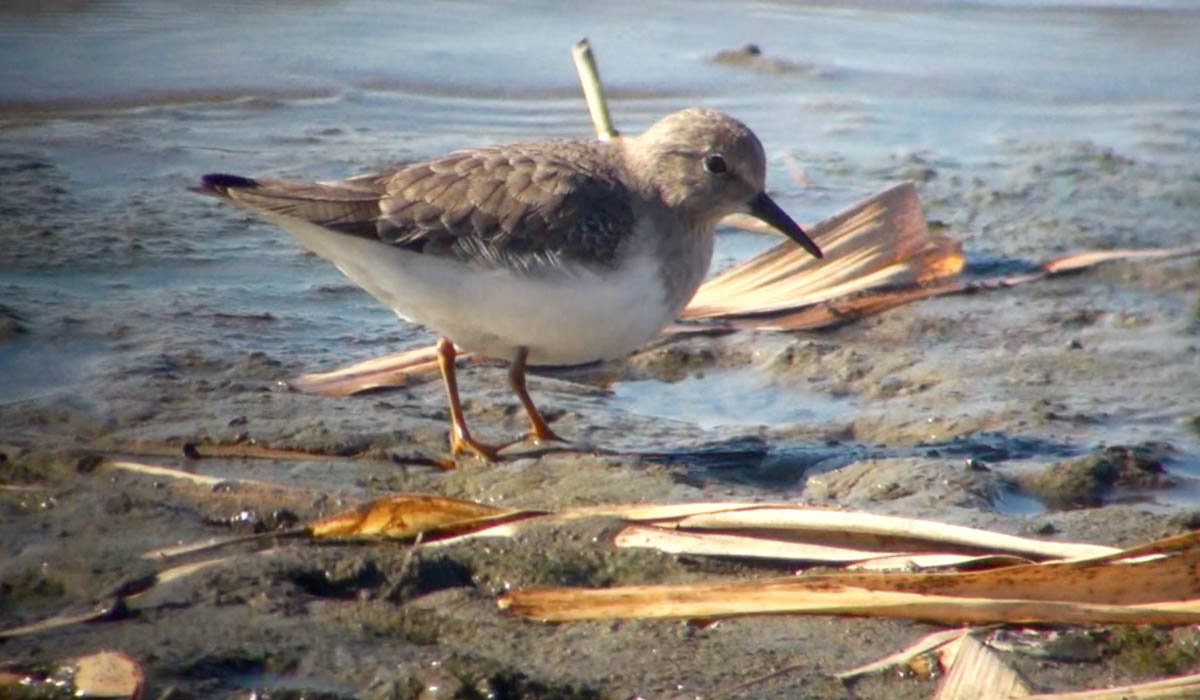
(764,208)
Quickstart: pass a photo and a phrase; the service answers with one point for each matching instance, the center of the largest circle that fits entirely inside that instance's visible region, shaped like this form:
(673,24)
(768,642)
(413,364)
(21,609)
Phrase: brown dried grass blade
(716,544)
(686,601)
(720,544)
(869,531)
(408,515)
(1162,578)
(978,673)
(388,371)
(1157,590)
(173,473)
(53,623)
(840,311)
(1095,257)
(920,562)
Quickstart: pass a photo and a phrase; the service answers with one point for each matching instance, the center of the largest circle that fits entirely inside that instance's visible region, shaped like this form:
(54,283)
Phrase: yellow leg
(540,432)
(460,438)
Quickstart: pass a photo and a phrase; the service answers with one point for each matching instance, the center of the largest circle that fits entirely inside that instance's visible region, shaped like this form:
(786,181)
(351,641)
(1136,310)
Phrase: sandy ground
(964,409)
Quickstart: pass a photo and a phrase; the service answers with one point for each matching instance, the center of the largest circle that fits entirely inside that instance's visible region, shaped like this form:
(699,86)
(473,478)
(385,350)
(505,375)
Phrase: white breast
(564,316)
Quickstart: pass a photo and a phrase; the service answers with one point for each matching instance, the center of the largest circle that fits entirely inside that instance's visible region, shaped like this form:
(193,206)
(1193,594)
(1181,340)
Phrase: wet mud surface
(133,312)
(1064,409)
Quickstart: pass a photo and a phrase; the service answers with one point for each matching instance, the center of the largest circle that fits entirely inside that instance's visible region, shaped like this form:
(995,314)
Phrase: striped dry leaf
(881,241)
(869,534)
(1139,589)
(978,673)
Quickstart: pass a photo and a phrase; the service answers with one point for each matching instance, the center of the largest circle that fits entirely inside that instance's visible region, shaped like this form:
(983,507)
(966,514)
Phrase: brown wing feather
(342,206)
(521,206)
(517,205)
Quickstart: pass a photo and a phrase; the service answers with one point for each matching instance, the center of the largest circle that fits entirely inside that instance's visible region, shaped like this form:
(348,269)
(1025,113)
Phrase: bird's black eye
(715,163)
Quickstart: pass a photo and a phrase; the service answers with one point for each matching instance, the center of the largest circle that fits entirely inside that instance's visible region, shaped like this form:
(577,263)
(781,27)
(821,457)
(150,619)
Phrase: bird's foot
(463,443)
(543,434)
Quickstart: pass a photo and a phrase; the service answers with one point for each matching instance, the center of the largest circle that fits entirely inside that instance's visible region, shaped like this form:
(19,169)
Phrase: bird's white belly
(566,316)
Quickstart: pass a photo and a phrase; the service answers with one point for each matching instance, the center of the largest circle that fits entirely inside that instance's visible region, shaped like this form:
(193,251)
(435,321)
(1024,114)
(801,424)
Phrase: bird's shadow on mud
(759,462)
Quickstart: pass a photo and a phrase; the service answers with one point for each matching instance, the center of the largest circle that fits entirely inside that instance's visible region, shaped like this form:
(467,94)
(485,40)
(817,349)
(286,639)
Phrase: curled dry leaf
(407,515)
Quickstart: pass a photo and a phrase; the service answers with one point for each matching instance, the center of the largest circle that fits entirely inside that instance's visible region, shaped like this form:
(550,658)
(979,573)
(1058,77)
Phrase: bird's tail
(219,184)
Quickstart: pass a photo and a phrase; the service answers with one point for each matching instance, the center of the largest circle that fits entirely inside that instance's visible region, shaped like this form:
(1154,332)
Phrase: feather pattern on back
(525,206)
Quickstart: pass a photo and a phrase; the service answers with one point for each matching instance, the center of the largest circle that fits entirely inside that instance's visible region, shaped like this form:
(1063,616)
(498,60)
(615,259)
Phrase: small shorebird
(548,253)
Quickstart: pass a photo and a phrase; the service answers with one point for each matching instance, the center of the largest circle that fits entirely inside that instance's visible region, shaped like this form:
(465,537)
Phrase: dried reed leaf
(173,473)
(179,550)
(822,598)
(53,623)
(407,515)
(1179,687)
(718,544)
(918,562)
(876,532)
(1080,261)
(978,673)
(841,311)
(184,570)
(880,241)
(723,545)
(1159,590)
(651,512)
(388,371)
